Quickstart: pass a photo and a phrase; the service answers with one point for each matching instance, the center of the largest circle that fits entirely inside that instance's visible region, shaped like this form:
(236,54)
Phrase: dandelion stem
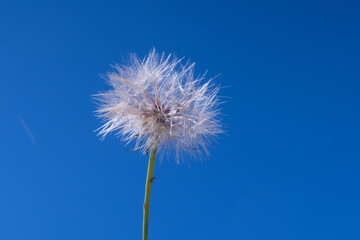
(149,180)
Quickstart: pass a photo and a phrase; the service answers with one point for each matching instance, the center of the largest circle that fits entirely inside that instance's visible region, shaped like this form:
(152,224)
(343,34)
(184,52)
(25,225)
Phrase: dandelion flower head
(158,103)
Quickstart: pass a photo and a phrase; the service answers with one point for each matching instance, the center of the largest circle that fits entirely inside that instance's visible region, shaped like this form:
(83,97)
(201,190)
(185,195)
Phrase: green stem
(149,180)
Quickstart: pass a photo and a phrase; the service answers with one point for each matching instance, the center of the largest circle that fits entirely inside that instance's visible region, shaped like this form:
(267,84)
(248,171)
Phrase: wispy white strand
(159,103)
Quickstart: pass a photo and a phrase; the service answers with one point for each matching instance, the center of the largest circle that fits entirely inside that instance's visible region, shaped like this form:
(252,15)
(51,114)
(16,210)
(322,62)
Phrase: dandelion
(158,103)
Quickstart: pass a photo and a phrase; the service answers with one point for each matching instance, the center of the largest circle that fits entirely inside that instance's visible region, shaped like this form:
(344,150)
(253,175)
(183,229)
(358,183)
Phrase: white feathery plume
(159,103)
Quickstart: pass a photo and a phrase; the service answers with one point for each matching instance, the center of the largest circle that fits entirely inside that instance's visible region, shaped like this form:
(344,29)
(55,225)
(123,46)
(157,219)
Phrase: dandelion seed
(160,104)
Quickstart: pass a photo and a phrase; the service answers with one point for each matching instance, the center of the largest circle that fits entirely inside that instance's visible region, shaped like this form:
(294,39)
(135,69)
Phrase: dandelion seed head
(158,103)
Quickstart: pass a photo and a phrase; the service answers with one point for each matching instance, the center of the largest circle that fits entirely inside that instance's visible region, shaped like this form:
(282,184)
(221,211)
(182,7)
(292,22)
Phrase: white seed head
(159,103)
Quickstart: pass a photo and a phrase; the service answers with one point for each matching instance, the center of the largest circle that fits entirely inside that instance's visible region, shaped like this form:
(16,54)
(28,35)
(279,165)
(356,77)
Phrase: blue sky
(287,168)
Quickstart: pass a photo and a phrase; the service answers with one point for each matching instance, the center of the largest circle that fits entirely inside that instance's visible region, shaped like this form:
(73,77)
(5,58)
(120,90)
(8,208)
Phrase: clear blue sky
(288,167)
